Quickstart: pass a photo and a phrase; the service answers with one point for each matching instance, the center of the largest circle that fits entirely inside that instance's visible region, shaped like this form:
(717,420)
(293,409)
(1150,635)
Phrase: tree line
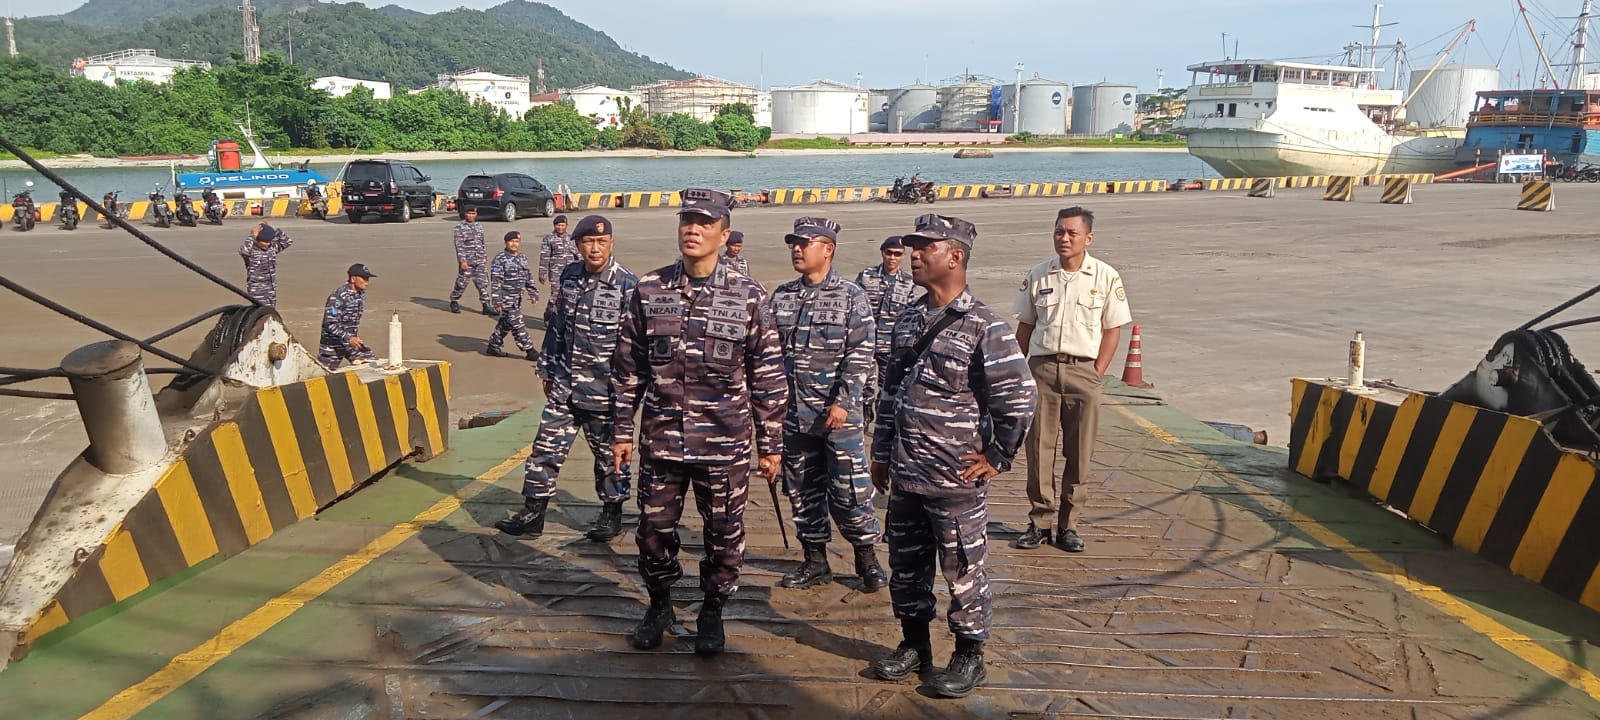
(46,109)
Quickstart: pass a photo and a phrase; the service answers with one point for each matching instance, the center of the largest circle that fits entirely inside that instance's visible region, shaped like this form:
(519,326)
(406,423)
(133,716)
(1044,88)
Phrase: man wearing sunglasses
(889,290)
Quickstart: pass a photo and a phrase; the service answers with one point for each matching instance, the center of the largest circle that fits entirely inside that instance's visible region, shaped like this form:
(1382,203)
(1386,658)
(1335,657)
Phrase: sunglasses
(894,253)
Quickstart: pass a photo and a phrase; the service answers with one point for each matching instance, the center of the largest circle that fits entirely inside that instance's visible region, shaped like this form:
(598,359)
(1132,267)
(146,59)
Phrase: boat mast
(1536,43)
(1471,25)
(1575,75)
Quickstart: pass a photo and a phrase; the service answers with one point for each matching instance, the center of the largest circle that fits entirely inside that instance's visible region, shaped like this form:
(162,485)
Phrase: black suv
(509,195)
(389,188)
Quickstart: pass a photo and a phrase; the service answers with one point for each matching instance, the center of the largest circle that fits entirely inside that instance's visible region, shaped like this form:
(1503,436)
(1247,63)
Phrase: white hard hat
(312,181)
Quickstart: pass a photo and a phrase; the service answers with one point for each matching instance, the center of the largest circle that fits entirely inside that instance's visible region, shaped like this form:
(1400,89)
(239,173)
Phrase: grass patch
(816,143)
(828,143)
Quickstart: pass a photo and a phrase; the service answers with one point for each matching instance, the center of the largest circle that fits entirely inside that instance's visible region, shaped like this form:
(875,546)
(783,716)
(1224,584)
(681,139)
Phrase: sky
(1074,41)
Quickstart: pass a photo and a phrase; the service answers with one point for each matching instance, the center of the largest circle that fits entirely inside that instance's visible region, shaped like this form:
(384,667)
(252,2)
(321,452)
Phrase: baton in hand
(778,508)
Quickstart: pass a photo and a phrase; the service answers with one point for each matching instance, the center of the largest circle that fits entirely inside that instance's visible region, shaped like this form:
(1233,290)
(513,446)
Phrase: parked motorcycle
(185,212)
(67,215)
(24,212)
(912,192)
(214,209)
(1575,173)
(319,203)
(114,208)
(158,208)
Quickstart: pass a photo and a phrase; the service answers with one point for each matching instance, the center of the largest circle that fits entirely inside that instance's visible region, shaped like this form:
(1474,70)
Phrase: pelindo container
(1042,111)
(913,107)
(1104,108)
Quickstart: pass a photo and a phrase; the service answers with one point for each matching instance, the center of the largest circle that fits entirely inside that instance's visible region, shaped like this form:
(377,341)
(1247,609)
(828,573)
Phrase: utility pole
(291,42)
(252,34)
(1016,103)
(1225,47)
(1161,79)
(11,37)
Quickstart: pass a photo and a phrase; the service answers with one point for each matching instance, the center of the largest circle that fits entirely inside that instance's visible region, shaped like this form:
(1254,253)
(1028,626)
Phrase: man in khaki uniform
(1070,312)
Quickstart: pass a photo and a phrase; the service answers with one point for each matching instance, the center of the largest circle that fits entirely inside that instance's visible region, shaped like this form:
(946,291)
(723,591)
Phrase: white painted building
(605,104)
(131,65)
(763,109)
(700,97)
(341,86)
(507,92)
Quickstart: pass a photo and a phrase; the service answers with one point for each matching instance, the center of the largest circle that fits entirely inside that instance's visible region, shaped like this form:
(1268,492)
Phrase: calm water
(767,172)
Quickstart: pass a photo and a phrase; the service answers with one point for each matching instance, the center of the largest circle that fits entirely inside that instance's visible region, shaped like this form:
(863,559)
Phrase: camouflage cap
(713,204)
(943,227)
(592,226)
(807,229)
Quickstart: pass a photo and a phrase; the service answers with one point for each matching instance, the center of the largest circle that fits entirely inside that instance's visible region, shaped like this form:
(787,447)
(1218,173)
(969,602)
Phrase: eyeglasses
(894,253)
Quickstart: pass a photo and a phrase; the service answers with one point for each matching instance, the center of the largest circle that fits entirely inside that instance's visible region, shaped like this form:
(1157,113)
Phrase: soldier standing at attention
(586,310)
(556,251)
(698,349)
(260,252)
(955,405)
(509,278)
(734,256)
(341,320)
(828,337)
(471,257)
(1070,314)
(889,290)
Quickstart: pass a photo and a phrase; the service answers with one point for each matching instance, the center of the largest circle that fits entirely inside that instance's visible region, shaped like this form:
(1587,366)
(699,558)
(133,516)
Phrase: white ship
(1265,118)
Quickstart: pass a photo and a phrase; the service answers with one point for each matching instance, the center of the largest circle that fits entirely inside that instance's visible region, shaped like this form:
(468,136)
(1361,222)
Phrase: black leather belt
(1065,358)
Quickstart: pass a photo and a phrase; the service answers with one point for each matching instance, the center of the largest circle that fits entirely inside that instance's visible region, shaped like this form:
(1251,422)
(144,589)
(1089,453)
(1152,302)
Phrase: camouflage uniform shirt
(888,295)
(469,244)
(970,392)
(828,339)
(585,316)
(556,252)
(704,359)
(509,278)
(341,316)
(261,268)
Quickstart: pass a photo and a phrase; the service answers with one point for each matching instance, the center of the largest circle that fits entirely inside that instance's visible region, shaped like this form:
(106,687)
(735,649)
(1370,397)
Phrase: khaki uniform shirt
(1069,311)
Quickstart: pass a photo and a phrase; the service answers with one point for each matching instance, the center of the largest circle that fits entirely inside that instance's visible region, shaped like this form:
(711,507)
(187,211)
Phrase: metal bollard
(394,341)
(118,410)
(1358,362)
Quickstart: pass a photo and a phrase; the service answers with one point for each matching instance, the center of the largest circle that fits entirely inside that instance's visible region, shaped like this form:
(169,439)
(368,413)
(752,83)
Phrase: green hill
(390,43)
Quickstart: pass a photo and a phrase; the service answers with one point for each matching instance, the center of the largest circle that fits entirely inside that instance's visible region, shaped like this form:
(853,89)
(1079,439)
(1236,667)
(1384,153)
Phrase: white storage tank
(913,107)
(1043,108)
(878,111)
(821,107)
(965,106)
(1448,97)
(1104,108)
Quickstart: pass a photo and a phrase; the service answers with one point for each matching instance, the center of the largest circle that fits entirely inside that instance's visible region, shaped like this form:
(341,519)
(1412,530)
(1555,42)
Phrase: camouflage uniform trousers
(952,531)
(827,475)
(332,351)
(263,290)
(511,321)
(720,494)
(869,393)
(558,427)
(478,275)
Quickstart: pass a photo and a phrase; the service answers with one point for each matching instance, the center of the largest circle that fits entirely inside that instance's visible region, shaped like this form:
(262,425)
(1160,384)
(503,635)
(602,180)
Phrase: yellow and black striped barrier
(1495,484)
(1538,195)
(1262,188)
(1396,191)
(1123,187)
(289,452)
(1341,188)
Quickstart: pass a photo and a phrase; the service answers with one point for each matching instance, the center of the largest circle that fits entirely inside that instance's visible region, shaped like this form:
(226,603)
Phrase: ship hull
(1264,153)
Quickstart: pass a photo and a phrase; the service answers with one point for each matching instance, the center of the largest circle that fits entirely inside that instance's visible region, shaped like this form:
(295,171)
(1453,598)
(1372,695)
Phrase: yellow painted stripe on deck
(330,433)
(187,515)
(1510,640)
(397,408)
(242,482)
(121,566)
(287,447)
(1394,447)
(425,408)
(185,667)
(1354,433)
(1569,484)
(52,617)
(1317,435)
(367,420)
(1493,483)
(1445,450)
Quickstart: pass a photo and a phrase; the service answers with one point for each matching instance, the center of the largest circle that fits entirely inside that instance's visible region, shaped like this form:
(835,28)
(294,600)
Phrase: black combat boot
(489,311)
(532,354)
(708,638)
(811,572)
(455,307)
(529,522)
(867,568)
(965,672)
(1069,541)
(656,620)
(915,653)
(608,525)
(1032,539)
(495,351)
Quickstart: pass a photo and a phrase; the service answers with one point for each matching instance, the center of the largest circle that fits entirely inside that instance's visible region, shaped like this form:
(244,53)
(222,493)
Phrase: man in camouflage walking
(341,321)
(586,312)
(260,252)
(471,259)
(889,290)
(509,278)
(956,403)
(828,337)
(699,351)
(556,251)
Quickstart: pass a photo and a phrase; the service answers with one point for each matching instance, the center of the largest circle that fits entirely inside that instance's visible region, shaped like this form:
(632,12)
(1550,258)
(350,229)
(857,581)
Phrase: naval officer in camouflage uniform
(341,321)
(556,251)
(586,312)
(509,278)
(260,252)
(734,256)
(956,404)
(699,351)
(889,290)
(471,259)
(828,337)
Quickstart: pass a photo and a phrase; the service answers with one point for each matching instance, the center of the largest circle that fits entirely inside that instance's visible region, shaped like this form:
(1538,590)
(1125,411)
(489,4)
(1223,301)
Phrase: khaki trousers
(1069,407)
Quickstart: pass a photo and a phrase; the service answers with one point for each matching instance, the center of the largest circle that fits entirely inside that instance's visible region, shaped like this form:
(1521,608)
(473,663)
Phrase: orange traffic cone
(1133,371)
